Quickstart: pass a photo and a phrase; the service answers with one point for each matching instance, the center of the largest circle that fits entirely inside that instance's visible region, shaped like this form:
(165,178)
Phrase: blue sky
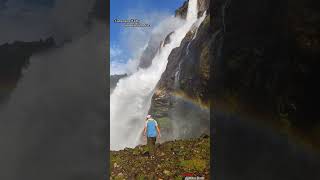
(122,8)
(125,42)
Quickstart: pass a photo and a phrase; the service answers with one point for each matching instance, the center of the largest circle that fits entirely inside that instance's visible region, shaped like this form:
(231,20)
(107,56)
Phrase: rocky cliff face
(182,11)
(263,62)
(203,5)
(182,93)
(264,95)
(267,64)
(156,40)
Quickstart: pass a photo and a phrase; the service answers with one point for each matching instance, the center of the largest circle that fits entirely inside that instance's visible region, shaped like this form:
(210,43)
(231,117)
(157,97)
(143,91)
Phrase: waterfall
(177,74)
(131,99)
(177,77)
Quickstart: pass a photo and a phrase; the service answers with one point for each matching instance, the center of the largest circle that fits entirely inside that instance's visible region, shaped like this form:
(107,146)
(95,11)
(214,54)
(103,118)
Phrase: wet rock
(204,135)
(182,11)
(203,6)
(167,40)
(149,53)
(146,153)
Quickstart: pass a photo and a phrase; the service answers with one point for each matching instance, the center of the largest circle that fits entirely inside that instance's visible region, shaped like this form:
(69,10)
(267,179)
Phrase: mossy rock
(194,165)
(114,159)
(136,152)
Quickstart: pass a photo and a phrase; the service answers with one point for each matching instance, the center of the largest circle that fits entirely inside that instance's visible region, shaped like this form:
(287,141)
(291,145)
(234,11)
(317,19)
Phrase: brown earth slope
(173,159)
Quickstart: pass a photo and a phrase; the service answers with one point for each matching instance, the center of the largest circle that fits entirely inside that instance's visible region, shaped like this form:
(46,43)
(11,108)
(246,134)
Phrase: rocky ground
(173,160)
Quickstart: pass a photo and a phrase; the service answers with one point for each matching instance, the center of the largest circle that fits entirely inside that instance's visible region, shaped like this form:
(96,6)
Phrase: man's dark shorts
(151,142)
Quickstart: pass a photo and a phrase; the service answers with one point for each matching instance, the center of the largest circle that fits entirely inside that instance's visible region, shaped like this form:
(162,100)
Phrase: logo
(189,176)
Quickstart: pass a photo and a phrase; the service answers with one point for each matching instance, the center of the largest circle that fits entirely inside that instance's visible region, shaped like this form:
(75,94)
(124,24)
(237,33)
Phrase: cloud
(117,60)
(120,63)
(117,68)
(135,39)
(115,51)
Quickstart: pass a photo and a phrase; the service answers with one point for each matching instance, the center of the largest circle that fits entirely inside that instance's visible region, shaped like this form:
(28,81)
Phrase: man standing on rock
(151,131)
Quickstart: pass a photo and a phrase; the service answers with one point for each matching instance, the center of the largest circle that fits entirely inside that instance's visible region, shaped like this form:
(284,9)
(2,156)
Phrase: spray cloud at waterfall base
(131,99)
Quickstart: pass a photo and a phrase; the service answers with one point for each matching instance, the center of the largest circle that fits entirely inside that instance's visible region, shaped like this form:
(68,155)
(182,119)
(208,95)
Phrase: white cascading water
(131,99)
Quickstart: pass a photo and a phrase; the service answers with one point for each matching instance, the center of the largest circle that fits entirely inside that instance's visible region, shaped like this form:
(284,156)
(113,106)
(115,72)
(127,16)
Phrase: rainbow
(262,120)
(194,101)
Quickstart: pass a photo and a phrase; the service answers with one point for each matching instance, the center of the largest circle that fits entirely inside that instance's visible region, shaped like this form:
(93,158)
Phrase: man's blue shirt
(151,126)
